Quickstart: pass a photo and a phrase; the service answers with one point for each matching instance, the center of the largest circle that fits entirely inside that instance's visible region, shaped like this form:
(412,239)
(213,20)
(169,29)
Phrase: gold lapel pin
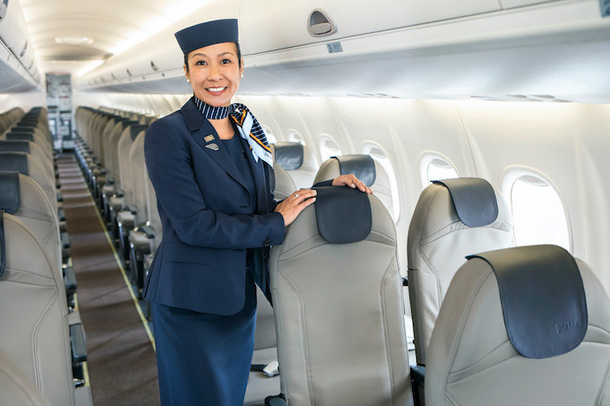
(209,138)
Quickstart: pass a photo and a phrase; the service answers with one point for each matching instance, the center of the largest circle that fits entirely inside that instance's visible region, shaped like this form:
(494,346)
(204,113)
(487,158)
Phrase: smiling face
(214,72)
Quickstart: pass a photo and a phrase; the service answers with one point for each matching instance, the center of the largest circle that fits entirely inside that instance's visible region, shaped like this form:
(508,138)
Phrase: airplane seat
(133,212)
(521,326)
(365,168)
(284,185)
(99,173)
(123,196)
(298,160)
(29,148)
(38,334)
(453,218)
(338,304)
(15,387)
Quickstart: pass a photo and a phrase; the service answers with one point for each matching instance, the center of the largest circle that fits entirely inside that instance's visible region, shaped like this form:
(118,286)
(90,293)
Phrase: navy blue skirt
(204,359)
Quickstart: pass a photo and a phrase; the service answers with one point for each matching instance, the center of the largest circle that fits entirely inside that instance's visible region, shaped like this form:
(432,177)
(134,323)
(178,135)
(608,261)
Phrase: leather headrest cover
(14,161)
(289,155)
(15,145)
(363,166)
(2,244)
(474,200)
(343,214)
(543,299)
(10,193)
(20,136)
(135,130)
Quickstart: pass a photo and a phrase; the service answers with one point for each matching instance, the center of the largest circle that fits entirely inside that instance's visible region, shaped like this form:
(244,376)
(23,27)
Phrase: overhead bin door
(276,24)
(12,27)
(520,3)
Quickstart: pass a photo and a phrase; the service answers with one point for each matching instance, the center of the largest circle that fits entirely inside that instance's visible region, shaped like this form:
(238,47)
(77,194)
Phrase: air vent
(319,24)
(129,73)
(153,66)
(113,77)
(3,9)
(605,6)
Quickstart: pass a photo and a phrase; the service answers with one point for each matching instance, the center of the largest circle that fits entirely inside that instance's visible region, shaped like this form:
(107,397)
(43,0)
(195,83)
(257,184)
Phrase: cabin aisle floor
(121,359)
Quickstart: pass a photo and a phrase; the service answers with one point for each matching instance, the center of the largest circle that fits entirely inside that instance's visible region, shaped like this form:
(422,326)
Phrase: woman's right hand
(294,204)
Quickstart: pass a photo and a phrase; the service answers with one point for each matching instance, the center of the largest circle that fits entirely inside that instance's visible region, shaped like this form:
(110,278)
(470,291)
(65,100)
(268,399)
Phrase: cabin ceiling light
(74,40)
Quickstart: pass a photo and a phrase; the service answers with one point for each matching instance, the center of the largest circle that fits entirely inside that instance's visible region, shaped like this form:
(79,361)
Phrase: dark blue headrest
(289,155)
(474,200)
(543,299)
(208,33)
(10,192)
(20,136)
(363,166)
(15,145)
(136,129)
(343,214)
(2,244)
(14,161)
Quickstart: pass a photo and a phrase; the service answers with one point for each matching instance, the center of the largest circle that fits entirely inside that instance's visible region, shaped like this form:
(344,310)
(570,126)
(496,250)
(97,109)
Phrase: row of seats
(40,330)
(338,292)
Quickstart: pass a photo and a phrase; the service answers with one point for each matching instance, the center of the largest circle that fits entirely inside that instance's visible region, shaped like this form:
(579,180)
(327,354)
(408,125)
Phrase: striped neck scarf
(247,124)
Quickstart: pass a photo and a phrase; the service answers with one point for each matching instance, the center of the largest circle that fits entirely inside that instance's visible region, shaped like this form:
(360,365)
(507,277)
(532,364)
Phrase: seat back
(284,185)
(34,312)
(138,177)
(546,350)
(298,160)
(338,304)
(22,197)
(15,387)
(365,168)
(440,239)
(124,147)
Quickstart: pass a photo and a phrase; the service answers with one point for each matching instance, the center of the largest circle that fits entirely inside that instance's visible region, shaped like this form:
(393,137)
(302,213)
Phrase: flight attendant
(211,167)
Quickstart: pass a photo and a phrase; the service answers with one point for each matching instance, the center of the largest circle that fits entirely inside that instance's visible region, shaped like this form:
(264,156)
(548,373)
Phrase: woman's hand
(294,204)
(352,181)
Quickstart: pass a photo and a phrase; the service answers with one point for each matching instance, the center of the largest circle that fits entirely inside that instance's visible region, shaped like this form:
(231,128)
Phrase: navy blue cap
(208,33)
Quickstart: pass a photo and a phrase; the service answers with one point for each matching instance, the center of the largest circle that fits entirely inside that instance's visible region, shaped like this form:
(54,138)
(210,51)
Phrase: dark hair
(186,57)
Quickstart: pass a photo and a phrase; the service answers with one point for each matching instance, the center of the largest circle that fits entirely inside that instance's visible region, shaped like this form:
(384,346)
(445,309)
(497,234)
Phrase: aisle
(121,358)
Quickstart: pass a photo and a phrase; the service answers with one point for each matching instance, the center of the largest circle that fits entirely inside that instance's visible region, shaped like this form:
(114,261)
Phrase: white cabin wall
(569,144)
(25,100)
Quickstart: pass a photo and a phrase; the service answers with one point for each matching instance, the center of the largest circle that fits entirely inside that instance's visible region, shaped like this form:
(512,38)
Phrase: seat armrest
(279,400)
(70,280)
(61,214)
(119,193)
(65,240)
(78,343)
(148,230)
(418,380)
(131,208)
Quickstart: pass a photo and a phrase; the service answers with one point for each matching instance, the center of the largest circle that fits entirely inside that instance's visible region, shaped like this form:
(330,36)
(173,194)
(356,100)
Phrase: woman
(211,167)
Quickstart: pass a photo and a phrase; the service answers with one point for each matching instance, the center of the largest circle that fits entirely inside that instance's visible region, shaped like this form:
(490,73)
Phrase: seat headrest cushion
(343,214)
(474,200)
(136,129)
(20,136)
(14,161)
(2,244)
(543,299)
(363,166)
(23,129)
(10,193)
(289,155)
(15,145)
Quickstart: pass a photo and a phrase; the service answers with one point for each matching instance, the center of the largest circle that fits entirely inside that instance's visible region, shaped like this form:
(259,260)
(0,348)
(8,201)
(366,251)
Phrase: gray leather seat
(338,305)
(298,160)
(34,315)
(538,347)
(15,387)
(284,185)
(365,168)
(440,238)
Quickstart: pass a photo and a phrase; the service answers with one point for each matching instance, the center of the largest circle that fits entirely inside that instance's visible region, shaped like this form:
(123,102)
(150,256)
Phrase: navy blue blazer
(208,221)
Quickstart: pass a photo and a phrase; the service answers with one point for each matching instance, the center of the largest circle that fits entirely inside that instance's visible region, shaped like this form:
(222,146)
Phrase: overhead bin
(268,25)
(506,4)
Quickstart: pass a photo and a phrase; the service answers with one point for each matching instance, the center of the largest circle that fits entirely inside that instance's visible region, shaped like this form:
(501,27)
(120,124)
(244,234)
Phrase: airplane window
(294,136)
(433,167)
(539,216)
(379,155)
(269,134)
(328,147)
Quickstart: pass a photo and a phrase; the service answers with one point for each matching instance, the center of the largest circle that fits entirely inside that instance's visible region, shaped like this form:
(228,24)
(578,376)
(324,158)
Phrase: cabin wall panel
(568,143)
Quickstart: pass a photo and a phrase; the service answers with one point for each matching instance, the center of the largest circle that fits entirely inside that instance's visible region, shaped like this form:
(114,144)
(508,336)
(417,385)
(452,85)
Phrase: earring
(242,75)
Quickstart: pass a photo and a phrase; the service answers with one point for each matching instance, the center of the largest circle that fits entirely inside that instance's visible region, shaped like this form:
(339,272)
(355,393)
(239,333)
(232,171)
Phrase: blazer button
(267,242)
(263,211)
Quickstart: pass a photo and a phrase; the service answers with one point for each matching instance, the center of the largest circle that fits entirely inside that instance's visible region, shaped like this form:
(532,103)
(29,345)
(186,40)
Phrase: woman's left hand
(352,181)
